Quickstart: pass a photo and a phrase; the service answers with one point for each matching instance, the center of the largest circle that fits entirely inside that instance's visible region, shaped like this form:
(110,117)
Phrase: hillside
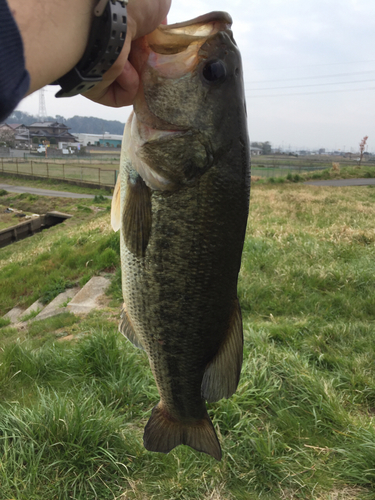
(77,124)
(301,423)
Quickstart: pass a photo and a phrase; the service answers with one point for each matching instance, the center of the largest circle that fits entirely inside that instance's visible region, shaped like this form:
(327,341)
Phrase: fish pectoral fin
(222,374)
(116,206)
(126,328)
(137,219)
(163,433)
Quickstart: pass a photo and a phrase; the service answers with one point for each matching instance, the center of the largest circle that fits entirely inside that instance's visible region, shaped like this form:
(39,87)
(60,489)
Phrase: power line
(312,65)
(309,93)
(312,85)
(310,77)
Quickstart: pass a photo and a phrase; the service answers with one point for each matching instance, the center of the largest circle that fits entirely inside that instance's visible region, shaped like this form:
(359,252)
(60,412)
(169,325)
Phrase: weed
(84,209)
(53,288)
(99,198)
(31,315)
(3,192)
(4,322)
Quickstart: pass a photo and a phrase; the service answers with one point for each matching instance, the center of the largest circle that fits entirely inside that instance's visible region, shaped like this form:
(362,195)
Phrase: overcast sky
(309,70)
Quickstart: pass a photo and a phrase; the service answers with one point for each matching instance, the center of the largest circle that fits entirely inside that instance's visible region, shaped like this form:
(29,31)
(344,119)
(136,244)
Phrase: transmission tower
(42,106)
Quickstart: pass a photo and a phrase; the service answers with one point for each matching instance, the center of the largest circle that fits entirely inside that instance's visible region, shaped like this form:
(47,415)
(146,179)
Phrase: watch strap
(106,40)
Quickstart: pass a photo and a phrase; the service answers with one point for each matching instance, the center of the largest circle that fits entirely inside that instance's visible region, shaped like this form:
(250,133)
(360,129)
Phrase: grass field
(101,173)
(301,424)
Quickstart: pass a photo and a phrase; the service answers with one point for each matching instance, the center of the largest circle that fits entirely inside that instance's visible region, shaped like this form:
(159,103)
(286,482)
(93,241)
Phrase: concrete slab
(14,314)
(56,306)
(89,297)
(34,307)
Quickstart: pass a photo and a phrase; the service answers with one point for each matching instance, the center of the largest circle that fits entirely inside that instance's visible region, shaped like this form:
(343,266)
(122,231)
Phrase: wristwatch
(106,40)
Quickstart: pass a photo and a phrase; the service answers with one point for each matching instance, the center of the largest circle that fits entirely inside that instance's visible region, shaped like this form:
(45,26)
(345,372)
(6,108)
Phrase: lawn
(301,424)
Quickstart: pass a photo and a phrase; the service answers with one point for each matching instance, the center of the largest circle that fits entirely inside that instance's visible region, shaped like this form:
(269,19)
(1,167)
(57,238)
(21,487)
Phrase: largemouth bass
(181,203)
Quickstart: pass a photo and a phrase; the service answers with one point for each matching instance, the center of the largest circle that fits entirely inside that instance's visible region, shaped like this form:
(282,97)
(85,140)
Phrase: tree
(7,138)
(264,146)
(362,145)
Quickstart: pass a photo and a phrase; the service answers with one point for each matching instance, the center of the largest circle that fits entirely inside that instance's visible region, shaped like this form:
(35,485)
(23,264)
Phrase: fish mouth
(175,38)
(171,52)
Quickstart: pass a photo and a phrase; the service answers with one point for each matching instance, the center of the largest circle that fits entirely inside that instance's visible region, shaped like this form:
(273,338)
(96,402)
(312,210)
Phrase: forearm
(54,35)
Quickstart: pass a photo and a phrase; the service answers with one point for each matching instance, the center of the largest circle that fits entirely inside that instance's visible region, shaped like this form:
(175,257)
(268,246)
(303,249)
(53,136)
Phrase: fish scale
(181,205)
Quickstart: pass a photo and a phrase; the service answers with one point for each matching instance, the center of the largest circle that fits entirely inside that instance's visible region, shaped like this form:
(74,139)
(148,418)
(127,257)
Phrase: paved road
(343,182)
(46,192)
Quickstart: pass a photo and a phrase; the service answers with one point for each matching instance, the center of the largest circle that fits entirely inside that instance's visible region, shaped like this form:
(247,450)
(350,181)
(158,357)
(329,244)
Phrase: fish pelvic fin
(163,433)
(116,206)
(137,217)
(126,328)
(222,374)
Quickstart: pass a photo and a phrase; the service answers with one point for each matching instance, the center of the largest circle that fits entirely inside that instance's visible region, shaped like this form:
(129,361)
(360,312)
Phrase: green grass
(280,175)
(301,424)
(52,184)
(51,261)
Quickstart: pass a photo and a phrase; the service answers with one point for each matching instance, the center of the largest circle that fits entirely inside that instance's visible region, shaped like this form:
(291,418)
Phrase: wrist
(105,44)
(54,36)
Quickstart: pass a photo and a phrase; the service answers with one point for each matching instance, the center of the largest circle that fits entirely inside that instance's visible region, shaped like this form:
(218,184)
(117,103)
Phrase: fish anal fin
(126,328)
(222,374)
(137,217)
(116,206)
(163,433)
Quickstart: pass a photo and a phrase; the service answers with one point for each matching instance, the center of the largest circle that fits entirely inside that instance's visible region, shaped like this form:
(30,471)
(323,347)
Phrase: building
(15,134)
(54,132)
(255,151)
(103,140)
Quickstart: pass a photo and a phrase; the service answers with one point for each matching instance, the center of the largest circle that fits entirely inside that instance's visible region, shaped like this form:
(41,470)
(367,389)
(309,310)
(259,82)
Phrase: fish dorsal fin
(116,206)
(222,374)
(126,328)
(137,216)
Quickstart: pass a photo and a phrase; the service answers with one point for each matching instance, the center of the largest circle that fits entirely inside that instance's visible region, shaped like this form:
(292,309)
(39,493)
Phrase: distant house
(255,151)
(54,132)
(17,133)
(21,134)
(5,127)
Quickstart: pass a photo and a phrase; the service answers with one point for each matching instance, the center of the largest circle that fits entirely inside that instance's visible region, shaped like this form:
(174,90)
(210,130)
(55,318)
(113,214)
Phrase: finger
(121,92)
(126,86)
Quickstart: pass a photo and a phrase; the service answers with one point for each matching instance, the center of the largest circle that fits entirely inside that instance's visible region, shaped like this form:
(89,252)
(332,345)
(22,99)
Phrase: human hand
(120,83)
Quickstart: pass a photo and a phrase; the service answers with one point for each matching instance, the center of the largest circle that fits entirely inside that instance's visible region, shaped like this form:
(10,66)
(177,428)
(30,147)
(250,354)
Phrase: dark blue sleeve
(14,78)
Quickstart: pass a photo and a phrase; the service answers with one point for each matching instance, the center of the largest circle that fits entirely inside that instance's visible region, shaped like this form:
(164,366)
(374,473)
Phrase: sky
(309,71)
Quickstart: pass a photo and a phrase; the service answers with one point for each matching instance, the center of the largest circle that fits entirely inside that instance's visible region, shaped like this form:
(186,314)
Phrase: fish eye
(214,71)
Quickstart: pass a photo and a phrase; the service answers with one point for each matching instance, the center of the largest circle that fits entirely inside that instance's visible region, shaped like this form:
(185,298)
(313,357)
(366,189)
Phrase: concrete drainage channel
(30,227)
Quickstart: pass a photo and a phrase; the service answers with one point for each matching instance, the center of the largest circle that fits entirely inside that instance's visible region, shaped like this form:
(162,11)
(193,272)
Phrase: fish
(181,204)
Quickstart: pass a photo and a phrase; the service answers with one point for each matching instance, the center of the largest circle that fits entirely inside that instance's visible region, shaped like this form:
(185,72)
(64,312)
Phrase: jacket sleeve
(14,78)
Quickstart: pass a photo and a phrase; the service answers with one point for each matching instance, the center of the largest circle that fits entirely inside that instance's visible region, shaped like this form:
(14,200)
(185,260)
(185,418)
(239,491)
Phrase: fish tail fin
(163,433)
